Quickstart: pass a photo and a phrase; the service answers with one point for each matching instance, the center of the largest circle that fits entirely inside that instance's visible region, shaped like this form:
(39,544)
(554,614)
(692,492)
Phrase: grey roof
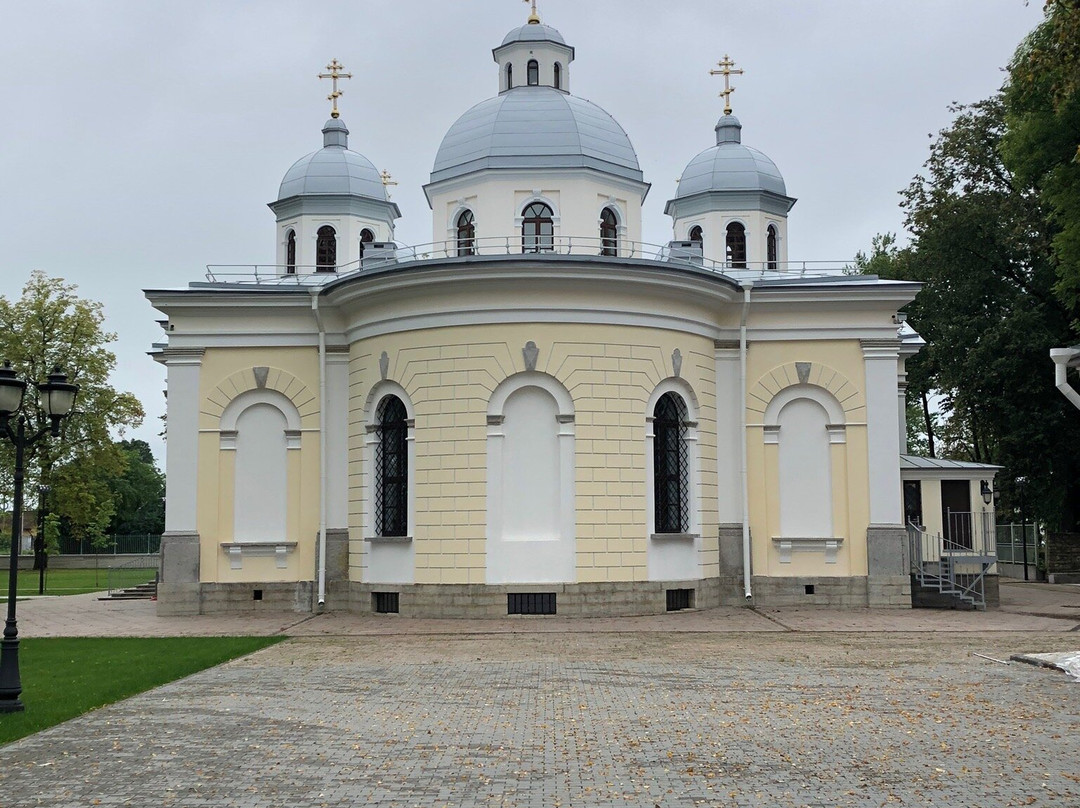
(333,169)
(730,166)
(535,127)
(916,462)
(534,32)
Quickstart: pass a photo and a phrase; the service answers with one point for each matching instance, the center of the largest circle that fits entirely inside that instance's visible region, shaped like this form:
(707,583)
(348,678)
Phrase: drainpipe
(746,287)
(1062,357)
(322,448)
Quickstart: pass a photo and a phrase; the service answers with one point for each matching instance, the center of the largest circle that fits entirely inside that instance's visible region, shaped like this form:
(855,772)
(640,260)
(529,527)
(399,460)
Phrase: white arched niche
(261,426)
(674,556)
(804,420)
(387,560)
(530,493)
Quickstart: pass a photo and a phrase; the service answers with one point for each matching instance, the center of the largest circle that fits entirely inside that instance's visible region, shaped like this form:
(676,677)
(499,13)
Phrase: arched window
(770,247)
(392,469)
(671,465)
(466,233)
(509,77)
(326,249)
(558,76)
(533,75)
(736,246)
(366,237)
(537,229)
(290,253)
(609,232)
(696,235)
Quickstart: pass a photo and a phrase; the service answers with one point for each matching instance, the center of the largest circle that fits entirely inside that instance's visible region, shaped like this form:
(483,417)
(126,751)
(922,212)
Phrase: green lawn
(77,582)
(63,678)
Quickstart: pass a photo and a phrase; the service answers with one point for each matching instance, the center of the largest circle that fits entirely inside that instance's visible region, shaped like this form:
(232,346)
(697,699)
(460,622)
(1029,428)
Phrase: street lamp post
(57,396)
(1020,483)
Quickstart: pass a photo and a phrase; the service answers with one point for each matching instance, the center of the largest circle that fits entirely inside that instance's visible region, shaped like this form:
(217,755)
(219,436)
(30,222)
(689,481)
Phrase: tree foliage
(982,245)
(49,325)
(1042,142)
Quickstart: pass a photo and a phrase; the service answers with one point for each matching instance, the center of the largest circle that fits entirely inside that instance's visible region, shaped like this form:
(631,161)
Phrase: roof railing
(380,255)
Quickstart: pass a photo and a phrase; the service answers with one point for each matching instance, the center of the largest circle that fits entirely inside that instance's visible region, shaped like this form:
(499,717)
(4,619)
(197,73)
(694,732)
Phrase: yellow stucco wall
(837,366)
(609,371)
(227,373)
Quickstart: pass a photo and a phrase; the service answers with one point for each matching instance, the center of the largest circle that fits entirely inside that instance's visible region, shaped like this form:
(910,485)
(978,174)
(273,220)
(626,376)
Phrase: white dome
(534,32)
(333,170)
(535,127)
(730,166)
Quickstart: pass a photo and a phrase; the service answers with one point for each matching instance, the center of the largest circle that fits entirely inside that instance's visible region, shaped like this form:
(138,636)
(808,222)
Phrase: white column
(728,433)
(182,444)
(882,417)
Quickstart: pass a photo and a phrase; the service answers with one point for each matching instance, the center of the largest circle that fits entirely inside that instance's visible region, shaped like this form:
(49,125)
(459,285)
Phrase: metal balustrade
(379,256)
(955,564)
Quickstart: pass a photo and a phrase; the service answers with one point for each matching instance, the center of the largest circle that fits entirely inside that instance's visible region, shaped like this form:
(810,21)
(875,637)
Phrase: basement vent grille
(385,602)
(678,599)
(530,603)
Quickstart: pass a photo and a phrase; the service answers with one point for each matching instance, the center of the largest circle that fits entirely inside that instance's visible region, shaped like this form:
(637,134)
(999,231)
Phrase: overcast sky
(142,140)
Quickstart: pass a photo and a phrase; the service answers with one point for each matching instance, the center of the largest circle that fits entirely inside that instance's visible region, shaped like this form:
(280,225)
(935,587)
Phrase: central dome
(535,127)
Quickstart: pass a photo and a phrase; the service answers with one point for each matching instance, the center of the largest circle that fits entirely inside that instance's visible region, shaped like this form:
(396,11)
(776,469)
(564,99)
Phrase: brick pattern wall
(1063,553)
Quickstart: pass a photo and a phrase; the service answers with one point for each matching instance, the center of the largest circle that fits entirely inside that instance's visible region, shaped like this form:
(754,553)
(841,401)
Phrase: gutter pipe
(1062,358)
(746,287)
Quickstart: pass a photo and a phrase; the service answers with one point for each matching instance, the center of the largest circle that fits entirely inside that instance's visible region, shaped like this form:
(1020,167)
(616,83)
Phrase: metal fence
(1011,543)
(149,544)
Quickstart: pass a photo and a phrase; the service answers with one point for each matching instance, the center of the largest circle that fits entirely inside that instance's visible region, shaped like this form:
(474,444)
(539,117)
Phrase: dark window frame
(697,235)
(466,233)
(509,76)
(326,249)
(671,466)
(735,242)
(558,76)
(392,468)
(537,228)
(532,73)
(771,253)
(367,236)
(290,252)
(609,232)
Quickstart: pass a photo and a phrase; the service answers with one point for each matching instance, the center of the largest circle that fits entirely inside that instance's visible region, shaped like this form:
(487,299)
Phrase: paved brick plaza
(547,718)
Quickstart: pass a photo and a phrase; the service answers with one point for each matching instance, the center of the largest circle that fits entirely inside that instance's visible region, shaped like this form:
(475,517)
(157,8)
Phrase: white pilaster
(336,424)
(728,434)
(182,445)
(882,417)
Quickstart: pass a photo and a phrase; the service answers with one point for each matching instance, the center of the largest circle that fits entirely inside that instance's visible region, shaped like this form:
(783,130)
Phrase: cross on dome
(335,73)
(387,180)
(725,70)
(534,17)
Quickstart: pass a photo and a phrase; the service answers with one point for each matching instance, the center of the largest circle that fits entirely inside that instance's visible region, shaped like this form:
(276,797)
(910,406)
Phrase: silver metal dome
(730,166)
(535,127)
(534,32)
(333,169)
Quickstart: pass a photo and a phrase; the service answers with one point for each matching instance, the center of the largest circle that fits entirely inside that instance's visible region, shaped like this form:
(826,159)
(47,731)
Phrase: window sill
(674,536)
(388,539)
(237,550)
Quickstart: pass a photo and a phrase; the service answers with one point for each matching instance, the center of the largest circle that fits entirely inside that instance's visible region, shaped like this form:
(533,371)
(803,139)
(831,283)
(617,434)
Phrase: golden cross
(725,70)
(334,74)
(534,18)
(386,179)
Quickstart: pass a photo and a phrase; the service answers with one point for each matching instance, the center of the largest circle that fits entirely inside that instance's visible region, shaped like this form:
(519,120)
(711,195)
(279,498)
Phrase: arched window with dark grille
(290,253)
(533,75)
(609,232)
(736,246)
(770,248)
(366,237)
(466,233)
(326,249)
(671,465)
(509,77)
(558,76)
(696,235)
(537,229)
(392,469)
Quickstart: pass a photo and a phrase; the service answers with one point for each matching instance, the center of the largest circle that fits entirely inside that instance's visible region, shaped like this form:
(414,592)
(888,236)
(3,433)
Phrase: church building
(536,413)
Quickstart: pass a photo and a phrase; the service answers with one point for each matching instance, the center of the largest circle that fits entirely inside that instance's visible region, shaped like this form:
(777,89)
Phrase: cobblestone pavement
(638,718)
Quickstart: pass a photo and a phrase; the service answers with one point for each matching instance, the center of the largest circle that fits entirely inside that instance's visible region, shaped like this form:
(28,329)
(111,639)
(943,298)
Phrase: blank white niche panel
(261,478)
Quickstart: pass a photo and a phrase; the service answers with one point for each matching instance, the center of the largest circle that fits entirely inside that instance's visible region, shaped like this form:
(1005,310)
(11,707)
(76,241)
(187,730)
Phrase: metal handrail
(378,256)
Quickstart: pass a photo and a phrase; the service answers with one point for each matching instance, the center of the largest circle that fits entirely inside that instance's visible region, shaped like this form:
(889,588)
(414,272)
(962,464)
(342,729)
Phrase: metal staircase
(949,572)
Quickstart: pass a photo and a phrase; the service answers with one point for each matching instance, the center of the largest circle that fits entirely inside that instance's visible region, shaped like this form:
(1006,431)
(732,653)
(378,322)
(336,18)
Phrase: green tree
(1042,142)
(51,326)
(981,244)
(138,493)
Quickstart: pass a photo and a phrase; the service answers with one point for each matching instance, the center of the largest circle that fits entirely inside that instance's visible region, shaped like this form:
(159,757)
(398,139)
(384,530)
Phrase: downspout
(321,574)
(1062,357)
(746,287)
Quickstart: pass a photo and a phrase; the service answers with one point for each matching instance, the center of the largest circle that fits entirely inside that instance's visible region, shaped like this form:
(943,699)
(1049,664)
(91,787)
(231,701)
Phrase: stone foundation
(854,592)
(178,586)
(254,597)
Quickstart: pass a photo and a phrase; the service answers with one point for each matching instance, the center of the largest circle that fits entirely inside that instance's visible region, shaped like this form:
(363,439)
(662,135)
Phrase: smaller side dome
(534,32)
(333,169)
(730,166)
